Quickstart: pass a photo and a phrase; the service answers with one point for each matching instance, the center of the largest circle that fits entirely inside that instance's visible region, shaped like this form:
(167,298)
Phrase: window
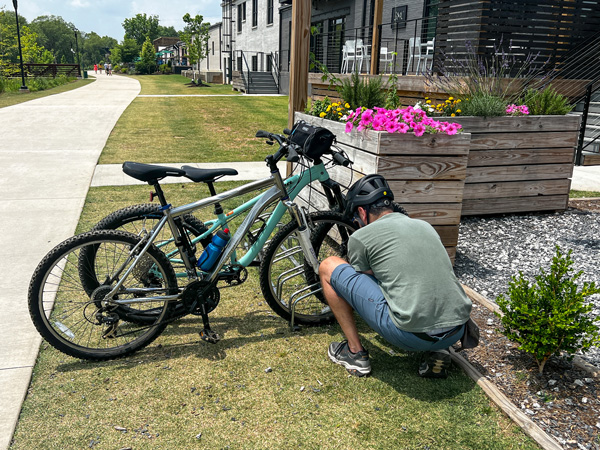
(239,18)
(244,11)
(255,63)
(269,12)
(254,13)
(269,63)
(213,47)
(239,63)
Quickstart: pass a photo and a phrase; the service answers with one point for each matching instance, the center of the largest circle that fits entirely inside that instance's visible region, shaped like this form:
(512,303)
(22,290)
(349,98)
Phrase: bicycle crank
(201,297)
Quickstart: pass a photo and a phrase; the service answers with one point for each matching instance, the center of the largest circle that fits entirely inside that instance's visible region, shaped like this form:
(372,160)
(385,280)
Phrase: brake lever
(269,142)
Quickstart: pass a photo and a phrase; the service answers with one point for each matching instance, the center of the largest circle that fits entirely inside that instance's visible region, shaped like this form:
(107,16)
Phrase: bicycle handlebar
(286,148)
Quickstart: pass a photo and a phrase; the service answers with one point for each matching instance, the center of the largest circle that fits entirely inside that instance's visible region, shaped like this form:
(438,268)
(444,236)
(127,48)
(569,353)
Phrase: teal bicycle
(107,293)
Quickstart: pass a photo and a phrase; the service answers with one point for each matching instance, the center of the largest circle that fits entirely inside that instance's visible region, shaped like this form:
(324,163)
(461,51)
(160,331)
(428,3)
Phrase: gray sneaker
(435,364)
(356,364)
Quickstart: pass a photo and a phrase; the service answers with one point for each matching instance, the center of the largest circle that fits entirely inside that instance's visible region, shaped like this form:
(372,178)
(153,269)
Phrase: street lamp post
(77,50)
(23,87)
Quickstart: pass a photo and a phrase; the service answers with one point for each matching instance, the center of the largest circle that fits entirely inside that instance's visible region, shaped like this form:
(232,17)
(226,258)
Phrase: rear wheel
(139,218)
(91,325)
(287,279)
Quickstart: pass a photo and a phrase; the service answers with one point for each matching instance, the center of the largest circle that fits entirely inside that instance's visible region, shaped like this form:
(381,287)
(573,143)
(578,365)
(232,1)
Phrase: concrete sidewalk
(48,152)
(586,178)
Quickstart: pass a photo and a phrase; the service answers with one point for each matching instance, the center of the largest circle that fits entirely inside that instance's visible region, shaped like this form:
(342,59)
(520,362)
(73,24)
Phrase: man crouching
(399,279)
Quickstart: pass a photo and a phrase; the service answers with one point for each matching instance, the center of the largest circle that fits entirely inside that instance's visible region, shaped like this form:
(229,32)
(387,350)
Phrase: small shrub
(2,85)
(357,91)
(550,315)
(546,102)
(483,105)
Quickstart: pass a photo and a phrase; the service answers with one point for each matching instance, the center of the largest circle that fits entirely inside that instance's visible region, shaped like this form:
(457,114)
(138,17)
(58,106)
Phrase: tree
(9,50)
(57,36)
(126,52)
(95,47)
(141,27)
(147,65)
(195,35)
(167,31)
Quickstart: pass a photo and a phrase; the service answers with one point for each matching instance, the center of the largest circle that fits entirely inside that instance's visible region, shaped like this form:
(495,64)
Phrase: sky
(105,17)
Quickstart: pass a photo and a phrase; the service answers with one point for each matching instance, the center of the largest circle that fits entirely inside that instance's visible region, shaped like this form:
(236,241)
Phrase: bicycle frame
(298,182)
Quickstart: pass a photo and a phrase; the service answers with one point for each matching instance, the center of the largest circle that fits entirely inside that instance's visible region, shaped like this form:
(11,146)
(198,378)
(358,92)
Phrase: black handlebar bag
(314,141)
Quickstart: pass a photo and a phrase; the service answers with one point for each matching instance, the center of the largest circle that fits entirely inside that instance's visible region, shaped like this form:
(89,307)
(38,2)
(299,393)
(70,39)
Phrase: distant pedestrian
(106,68)
(96,68)
(110,69)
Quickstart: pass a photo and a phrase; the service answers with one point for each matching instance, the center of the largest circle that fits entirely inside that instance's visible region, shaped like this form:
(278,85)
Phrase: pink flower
(452,129)
(349,126)
(523,109)
(402,128)
(419,129)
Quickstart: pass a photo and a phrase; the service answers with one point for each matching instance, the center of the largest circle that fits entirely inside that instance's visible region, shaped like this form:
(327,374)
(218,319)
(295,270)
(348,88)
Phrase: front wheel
(286,279)
(91,325)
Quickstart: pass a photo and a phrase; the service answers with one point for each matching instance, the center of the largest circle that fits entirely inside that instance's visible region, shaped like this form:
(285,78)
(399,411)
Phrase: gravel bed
(491,249)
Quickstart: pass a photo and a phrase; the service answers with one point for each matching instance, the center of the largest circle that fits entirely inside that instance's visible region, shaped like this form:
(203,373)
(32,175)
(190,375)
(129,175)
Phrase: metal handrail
(246,80)
(586,107)
(275,68)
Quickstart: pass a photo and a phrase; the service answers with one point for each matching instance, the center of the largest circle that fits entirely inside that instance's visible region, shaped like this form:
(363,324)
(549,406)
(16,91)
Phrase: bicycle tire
(72,321)
(293,276)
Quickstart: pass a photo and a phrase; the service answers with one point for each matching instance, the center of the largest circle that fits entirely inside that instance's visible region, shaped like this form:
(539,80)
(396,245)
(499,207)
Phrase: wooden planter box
(427,174)
(519,164)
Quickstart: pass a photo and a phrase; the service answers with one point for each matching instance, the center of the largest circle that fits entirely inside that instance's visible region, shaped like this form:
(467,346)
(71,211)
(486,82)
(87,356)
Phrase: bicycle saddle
(148,172)
(198,175)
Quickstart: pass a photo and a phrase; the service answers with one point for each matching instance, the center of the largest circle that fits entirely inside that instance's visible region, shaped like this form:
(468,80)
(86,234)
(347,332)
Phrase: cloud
(79,3)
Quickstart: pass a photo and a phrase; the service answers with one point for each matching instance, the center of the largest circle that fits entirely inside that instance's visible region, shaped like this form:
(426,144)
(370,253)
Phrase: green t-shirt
(413,270)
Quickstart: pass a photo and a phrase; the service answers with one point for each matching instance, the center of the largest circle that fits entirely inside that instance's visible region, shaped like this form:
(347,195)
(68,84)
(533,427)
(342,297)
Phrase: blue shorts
(363,293)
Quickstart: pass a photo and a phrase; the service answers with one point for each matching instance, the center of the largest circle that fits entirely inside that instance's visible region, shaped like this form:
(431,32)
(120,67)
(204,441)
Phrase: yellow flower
(458,111)
(428,101)
(426,98)
(322,114)
(340,114)
(329,108)
(452,115)
(339,109)
(450,98)
(347,105)
(458,100)
(448,101)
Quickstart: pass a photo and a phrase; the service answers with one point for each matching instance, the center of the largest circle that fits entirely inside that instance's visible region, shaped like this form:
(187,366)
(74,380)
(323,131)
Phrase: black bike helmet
(369,190)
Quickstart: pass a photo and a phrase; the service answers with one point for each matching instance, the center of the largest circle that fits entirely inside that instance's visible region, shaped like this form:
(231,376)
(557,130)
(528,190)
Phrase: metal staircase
(261,83)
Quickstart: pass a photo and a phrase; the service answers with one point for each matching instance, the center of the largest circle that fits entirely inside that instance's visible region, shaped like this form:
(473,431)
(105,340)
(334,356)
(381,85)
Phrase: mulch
(563,401)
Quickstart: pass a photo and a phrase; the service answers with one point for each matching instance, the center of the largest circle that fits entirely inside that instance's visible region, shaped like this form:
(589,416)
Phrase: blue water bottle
(213,250)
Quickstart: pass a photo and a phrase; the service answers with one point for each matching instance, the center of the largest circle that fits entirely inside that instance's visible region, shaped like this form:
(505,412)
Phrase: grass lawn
(194,129)
(179,85)
(583,194)
(182,393)
(13,98)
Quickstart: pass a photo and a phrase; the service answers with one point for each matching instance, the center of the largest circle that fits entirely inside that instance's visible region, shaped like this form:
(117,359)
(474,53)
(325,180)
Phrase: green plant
(147,65)
(550,315)
(365,92)
(546,102)
(502,74)
(483,105)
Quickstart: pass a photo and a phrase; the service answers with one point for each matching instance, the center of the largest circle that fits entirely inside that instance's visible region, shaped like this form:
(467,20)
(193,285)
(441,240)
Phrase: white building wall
(258,40)
(212,62)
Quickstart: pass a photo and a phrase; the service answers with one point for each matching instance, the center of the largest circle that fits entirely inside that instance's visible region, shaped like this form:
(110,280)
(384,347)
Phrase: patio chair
(386,57)
(428,56)
(414,53)
(352,51)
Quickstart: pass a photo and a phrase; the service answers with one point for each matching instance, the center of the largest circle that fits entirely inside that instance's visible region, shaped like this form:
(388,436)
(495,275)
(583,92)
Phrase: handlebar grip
(287,131)
(293,156)
(263,134)
(341,160)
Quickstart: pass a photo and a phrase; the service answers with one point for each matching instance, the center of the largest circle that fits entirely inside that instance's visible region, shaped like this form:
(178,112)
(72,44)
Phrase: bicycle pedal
(209,336)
